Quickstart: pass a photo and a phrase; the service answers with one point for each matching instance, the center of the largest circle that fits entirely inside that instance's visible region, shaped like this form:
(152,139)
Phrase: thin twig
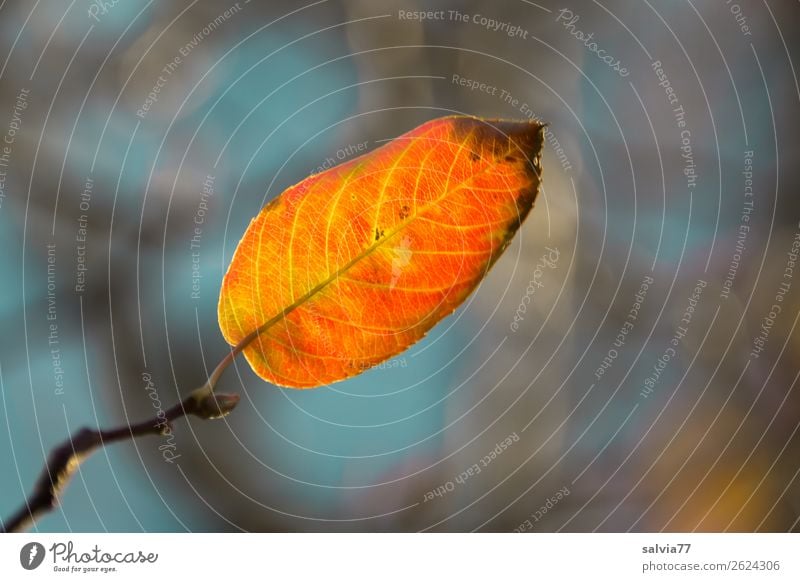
(65,459)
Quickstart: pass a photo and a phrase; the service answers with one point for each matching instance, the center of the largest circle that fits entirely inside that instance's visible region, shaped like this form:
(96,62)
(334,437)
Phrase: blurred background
(629,364)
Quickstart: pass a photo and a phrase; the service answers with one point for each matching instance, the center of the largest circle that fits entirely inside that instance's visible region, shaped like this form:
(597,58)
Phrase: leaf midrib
(246,340)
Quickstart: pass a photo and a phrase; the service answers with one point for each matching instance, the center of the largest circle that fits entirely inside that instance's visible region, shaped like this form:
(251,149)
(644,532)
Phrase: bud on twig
(203,402)
(216,405)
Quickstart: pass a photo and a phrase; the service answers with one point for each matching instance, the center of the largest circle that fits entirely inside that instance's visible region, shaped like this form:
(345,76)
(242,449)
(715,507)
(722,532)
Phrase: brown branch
(65,459)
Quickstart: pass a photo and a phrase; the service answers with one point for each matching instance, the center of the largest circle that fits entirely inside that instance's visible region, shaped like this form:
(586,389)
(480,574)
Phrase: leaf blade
(351,266)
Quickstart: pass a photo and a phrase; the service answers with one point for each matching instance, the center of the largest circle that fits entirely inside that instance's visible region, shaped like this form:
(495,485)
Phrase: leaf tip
(517,138)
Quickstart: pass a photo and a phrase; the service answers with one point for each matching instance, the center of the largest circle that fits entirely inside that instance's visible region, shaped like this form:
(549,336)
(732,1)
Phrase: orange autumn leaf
(354,265)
